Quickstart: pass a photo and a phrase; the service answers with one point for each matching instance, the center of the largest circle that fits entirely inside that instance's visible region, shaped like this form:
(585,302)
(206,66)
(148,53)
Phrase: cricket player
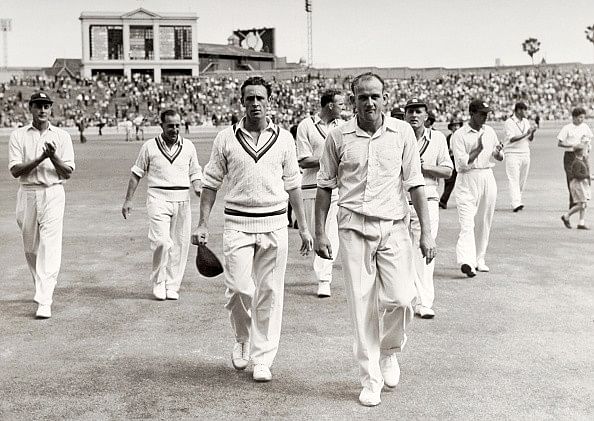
(41,156)
(475,145)
(311,134)
(518,135)
(435,164)
(171,167)
(258,160)
(373,159)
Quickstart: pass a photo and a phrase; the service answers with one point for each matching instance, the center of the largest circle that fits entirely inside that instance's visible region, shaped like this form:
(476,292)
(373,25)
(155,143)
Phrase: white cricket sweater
(258,177)
(169,171)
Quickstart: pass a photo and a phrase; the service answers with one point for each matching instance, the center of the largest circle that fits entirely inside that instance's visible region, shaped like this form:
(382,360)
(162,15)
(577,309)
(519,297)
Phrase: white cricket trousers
(517,166)
(475,196)
(40,216)
(323,267)
(378,268)
(424,271)
(255,265)
(169,236)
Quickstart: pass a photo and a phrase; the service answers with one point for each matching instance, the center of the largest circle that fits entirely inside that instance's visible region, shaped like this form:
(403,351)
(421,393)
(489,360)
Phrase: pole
(309,40)
(5,27)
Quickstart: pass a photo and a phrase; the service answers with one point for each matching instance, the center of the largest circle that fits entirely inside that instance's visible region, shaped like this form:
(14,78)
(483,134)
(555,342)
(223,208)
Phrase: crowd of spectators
(212,101)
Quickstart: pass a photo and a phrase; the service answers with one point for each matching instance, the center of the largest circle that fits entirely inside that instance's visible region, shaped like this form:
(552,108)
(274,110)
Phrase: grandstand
(550,90)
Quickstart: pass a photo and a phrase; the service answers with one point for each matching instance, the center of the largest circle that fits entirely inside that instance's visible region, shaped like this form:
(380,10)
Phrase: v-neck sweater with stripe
(257,177)
(169,172)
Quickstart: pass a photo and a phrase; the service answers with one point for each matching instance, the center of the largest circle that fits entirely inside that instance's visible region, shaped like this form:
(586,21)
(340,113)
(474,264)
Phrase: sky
(346,33)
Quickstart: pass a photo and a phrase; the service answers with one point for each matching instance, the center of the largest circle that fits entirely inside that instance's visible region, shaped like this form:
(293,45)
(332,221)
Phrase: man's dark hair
(256,80)
(578,111)
(520,106)
(167,113)
(366,76)
(328,96)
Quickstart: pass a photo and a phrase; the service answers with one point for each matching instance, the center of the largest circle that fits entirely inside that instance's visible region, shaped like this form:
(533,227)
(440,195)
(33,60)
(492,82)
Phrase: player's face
(479,118)
(171,127)
(416,117)
(521,113)
(40,111)
(337,106)
(579,119)
(255,101)
(369,100)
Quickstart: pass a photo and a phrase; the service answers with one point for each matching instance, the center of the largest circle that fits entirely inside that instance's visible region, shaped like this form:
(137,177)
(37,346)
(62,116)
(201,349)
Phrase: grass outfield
(514,343)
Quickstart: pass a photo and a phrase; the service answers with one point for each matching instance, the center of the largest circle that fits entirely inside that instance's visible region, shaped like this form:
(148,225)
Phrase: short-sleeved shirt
(465,139)
(27,143)
(572,134)
(311,135)
(515,127)
(433,149)
(372,172)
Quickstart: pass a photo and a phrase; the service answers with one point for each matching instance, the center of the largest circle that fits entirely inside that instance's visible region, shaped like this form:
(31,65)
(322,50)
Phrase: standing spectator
(101,125)
(373,159)
(138,122)
(42,157)
(450,182)
(81,124)
(518,135)
(311,135)
(570,135)
(474,146)
(187,125)
(170,163)
(258,160)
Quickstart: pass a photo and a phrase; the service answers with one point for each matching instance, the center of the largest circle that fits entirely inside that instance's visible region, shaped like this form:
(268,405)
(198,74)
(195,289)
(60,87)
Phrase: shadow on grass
(214,379)
(115,293)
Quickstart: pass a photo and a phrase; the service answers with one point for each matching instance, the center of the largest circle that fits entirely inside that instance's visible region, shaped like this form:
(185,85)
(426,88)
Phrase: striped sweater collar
(169,153)
(241,135)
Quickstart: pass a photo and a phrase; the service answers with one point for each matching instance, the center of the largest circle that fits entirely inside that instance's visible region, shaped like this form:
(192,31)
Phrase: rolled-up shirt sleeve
(459,151)
(216,168)
(15,151)
(304,149)
(195,169)
(328,173)
(412,176)
(291,172)
(141,165)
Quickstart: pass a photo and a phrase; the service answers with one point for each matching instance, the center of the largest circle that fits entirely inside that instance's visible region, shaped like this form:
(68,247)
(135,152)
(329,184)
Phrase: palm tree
(590,33)
(531,46)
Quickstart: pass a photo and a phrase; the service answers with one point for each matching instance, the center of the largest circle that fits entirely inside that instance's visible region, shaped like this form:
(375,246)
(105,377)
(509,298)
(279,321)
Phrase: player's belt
(234,212)
(309,186)
(169,187)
